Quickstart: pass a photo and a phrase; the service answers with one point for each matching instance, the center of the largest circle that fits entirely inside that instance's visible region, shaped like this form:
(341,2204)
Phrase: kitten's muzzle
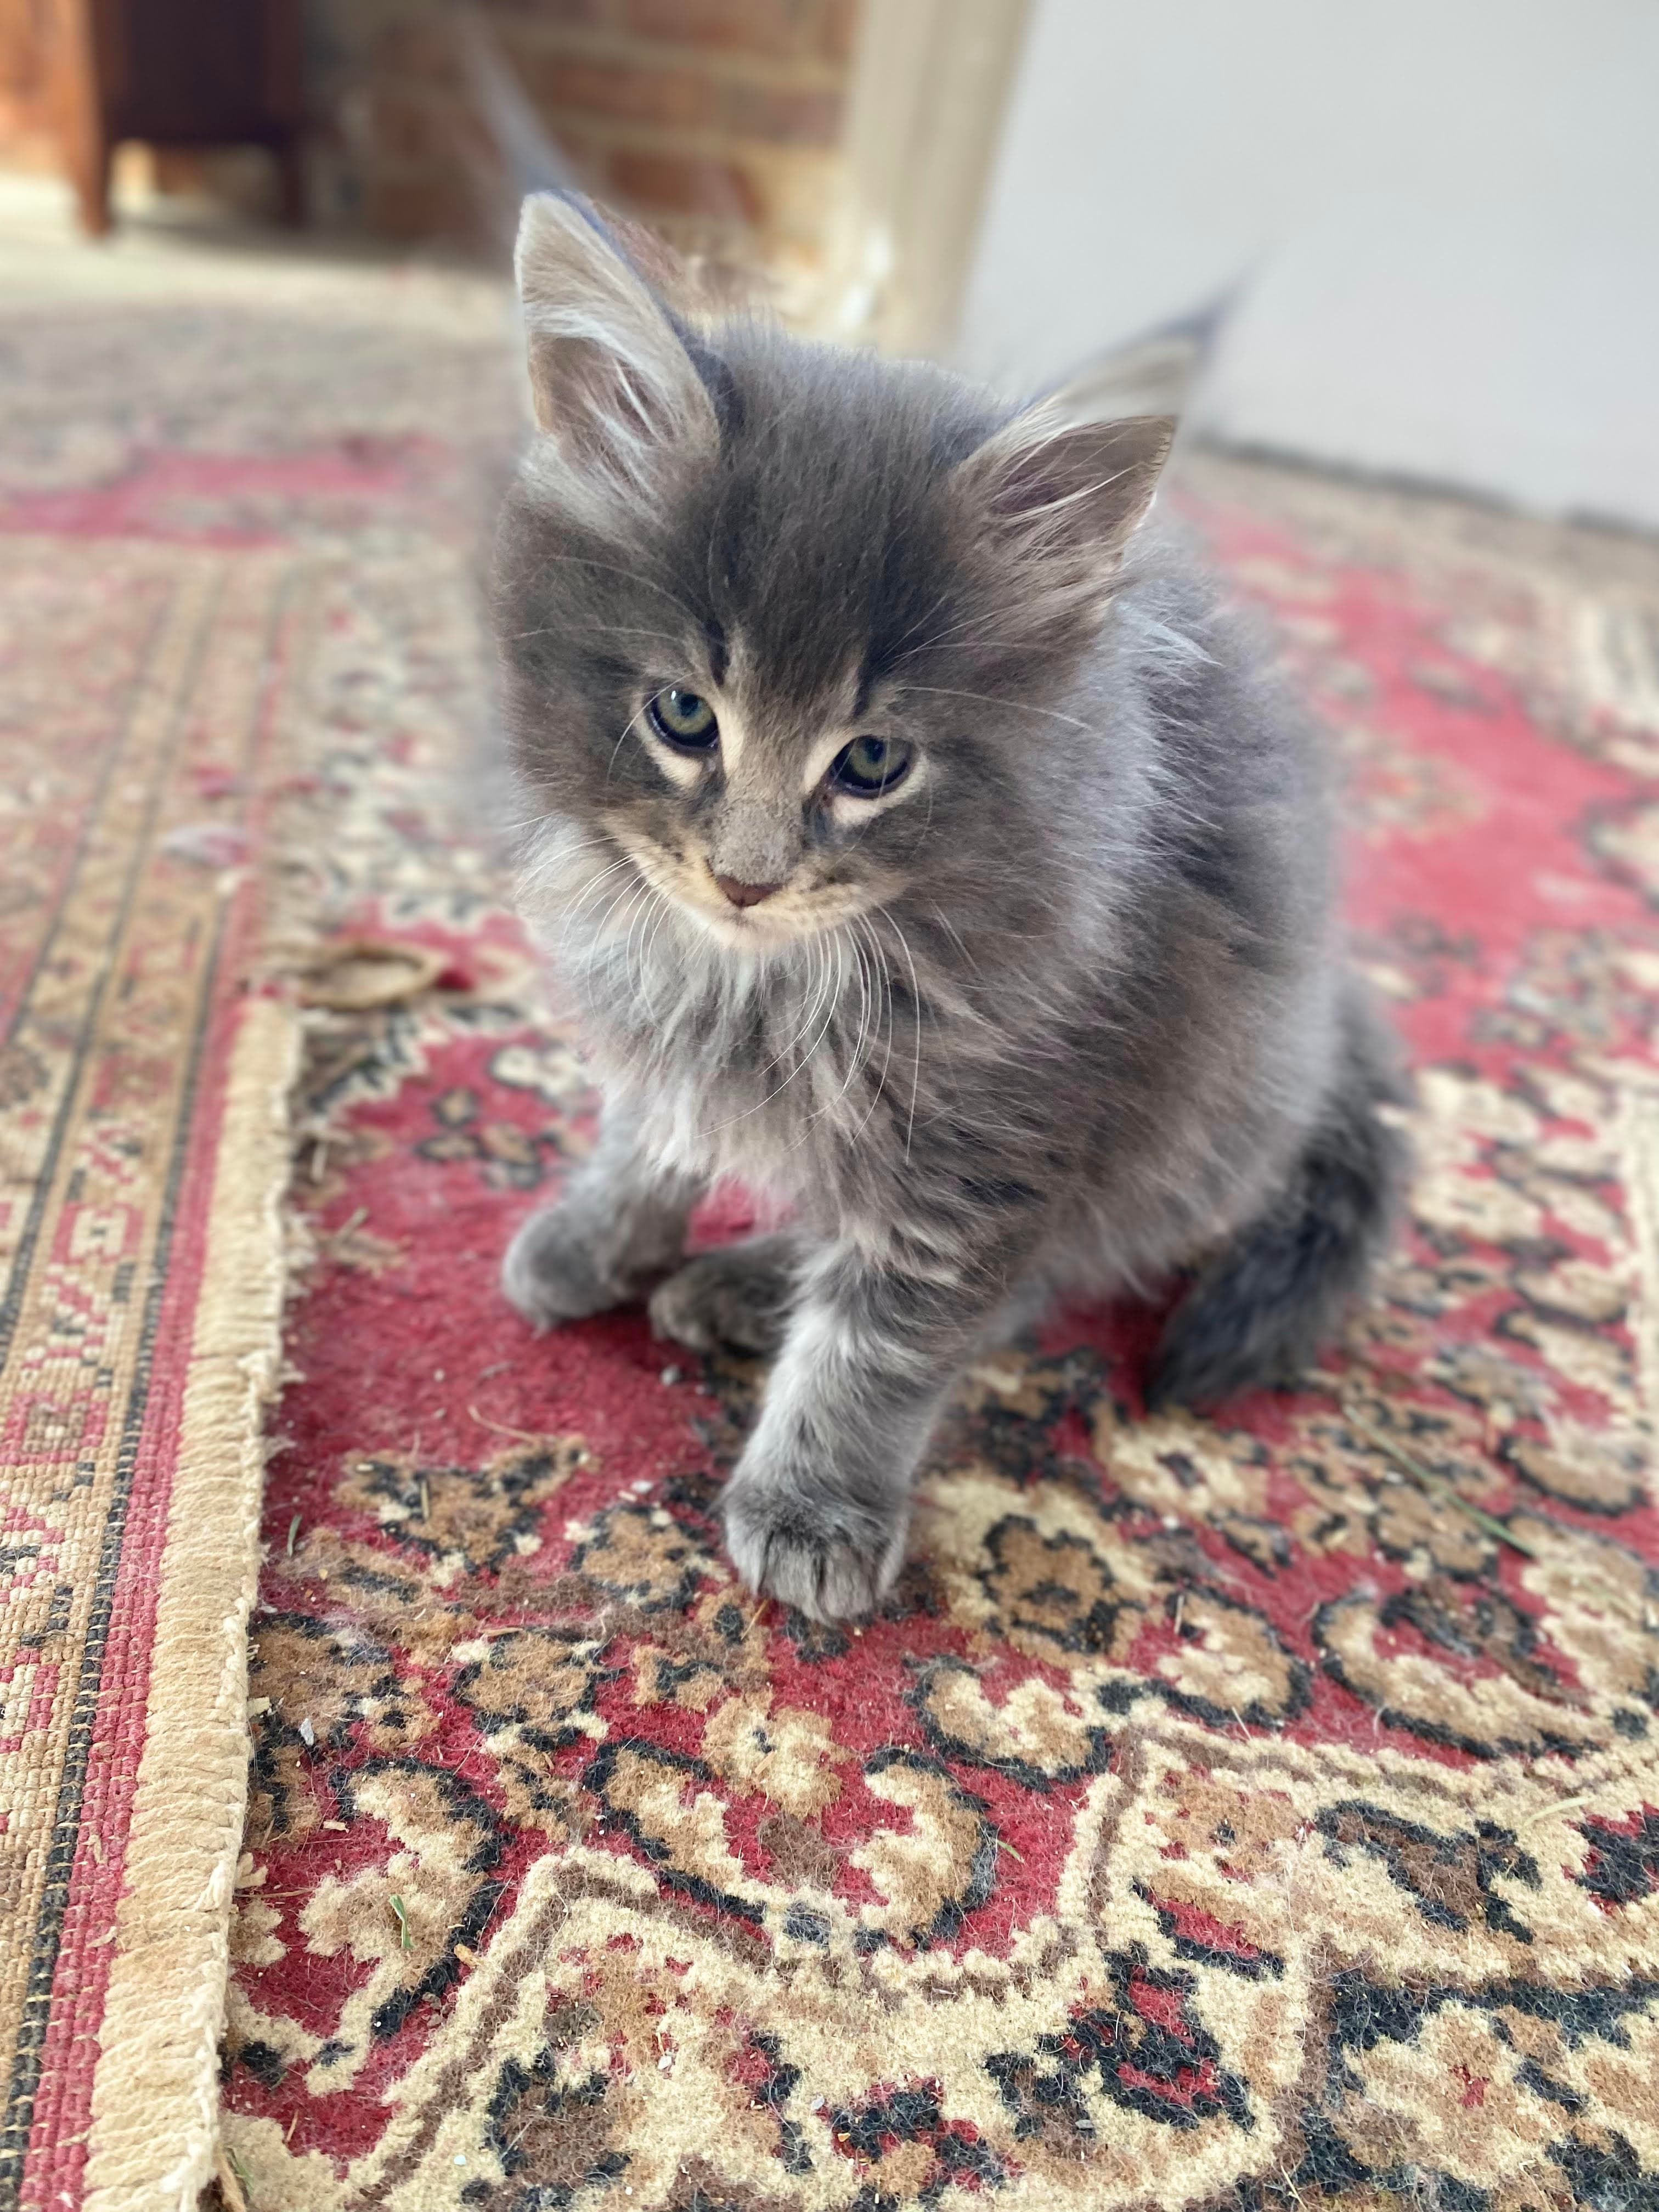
(742,894)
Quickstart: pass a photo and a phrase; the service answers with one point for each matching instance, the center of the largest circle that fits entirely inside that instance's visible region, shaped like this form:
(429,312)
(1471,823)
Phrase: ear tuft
(612,385)
(1073,491)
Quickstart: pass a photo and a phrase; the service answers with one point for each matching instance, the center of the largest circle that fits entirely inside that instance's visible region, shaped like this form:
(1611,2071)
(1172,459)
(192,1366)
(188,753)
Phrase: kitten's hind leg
(1261,1310)
(735,1299)
(619,1222)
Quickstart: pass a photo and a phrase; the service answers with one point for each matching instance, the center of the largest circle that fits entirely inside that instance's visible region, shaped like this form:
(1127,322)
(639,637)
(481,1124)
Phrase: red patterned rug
(1262,1812)
(192,507)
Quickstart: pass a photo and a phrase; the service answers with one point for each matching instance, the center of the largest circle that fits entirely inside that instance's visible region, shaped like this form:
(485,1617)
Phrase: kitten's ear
(613,384)
(1067,491)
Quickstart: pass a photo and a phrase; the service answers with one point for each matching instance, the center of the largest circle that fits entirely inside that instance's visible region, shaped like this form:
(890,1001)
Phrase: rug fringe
(165,2010)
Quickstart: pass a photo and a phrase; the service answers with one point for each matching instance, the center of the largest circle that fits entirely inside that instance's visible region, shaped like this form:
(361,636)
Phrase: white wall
(1448,211)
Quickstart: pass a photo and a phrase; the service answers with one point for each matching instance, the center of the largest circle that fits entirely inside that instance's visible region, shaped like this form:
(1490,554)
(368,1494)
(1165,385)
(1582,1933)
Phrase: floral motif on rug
(1254,1812)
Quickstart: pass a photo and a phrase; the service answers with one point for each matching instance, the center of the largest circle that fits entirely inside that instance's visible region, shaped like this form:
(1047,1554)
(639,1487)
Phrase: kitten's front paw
(808,1549)
(550,1278)
(735,1299)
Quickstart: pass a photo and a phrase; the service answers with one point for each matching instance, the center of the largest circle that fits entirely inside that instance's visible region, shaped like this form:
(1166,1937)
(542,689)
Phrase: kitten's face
(774,619)
(766,819)
(733,685)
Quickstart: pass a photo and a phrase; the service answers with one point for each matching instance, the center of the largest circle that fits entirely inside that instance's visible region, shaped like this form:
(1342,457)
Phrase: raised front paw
(736,1298)
(551,1275)
(808,1548)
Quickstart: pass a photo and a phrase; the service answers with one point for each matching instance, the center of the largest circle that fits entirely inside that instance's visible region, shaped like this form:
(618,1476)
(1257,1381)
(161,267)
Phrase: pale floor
(179,250)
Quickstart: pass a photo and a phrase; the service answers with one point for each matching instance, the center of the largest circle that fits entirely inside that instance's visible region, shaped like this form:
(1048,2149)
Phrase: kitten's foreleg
(817,1508)
(619,1221)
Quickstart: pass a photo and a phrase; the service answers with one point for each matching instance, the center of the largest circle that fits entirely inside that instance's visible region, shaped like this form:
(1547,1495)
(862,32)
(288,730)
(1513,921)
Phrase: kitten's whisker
(854,1059)
(622,860)
(574,905)
(595,630)
(936,644)
(733,1119)
(928,617)
(644,915)
(596,943)
(927,819)
(882,986)
(536,859)
(777,1059)
(864,1001)
(915,996)
(641,890)
(599,926)
(831,1000)
(556,843)
(885,981)
(640,907)
(985,699)
(632,576)
(573,913)
(650,946)
(547,857)
(954,934)
(530,822)
(941,644)
(628,727)
(832,1006)
(815,951)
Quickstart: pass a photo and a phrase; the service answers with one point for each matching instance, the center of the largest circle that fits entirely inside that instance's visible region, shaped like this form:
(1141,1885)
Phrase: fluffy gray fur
(1063,1012)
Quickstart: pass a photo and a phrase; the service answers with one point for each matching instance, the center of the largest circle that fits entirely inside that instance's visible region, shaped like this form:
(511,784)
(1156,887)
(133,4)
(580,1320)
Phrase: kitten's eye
(870,766)
(685,720)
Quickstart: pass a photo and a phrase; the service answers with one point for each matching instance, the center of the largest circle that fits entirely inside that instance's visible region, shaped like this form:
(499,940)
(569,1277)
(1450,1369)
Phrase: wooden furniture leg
(82,120)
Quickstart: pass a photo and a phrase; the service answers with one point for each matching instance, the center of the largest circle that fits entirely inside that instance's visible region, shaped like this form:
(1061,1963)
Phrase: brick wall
(718,120)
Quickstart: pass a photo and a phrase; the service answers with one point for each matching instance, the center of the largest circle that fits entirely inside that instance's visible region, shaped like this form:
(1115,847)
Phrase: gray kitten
(929,851)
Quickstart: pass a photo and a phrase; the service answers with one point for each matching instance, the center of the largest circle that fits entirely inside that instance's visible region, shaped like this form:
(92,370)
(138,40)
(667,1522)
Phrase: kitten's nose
(742,894)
